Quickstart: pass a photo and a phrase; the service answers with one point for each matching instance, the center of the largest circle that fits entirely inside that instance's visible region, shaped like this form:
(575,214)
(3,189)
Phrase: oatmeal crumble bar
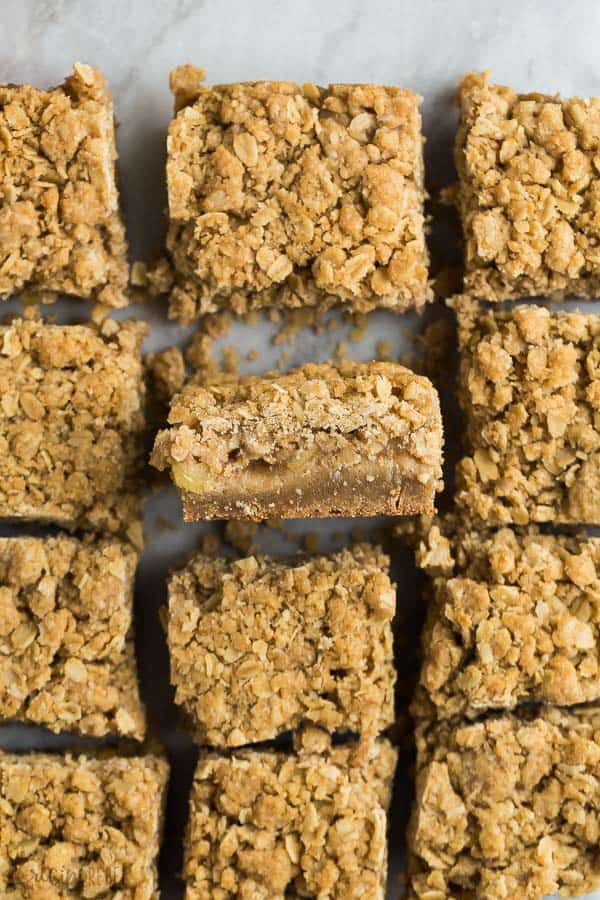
(353,439)
(60,226)
(519,620)
(71,424)
(80,826)
(529,193)
(259,646)
(281,195)
(66,637)
(530,390)
(272,825)
(507,807)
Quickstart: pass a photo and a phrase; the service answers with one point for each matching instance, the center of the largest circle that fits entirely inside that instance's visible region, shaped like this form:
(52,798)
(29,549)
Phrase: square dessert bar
(530,390)
(529,195)
(281,195)
(519,621)
(80,826)
(273,825)
(507,807)
(71,424)
(259,647)
(60,226)
(354,439)
(66,638)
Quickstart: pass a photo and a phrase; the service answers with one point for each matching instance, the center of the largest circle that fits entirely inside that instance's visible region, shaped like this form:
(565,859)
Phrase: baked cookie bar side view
(529,194)
(517,621)
(282,195)
(67,656)
(81,826)
(259,646)
(529,387)
(352,439)
(61,230)
(507,807)
(72,425)
(272,825)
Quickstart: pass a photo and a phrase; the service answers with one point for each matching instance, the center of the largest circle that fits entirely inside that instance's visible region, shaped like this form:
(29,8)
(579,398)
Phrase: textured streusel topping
(529,192)
(71,424)
(269,825)
(60,224)
(73,827)
(293,196)
(507,807)
(259,647)
(345,413)
(519,621)
(530,391)
(66,636)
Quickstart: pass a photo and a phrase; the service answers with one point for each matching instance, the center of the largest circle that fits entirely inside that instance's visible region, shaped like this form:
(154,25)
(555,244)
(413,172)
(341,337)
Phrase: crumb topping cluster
(530,391)
(507,807)
(71,424)
(60,225)
(259,646)
(529,192)
(80,826)
(294,196)
(266,824)
(66,640)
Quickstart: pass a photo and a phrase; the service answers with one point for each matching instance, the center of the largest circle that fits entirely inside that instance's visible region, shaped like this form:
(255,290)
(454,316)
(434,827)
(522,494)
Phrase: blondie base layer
(529,194)
(269,825)
(519,621)
(281,195)
(71,424)
(508,807)
(530,392)
(80,826)
(66,638)
(60,225)
(259,647)
(354,439)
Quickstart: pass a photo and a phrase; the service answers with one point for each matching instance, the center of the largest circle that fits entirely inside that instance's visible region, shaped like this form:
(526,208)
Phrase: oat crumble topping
(281,195)
(259,646)
(530,391)
(60,225)
(270,825)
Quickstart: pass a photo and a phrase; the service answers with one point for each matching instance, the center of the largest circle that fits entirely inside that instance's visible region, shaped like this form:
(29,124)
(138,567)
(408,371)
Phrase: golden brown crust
(60,225)
(322,440)
(507,807)
(259,647)
(288,196)
(530,390)
(73,827)
(71,424)
(66,635)
(269,826)
(519,621)
(529,192)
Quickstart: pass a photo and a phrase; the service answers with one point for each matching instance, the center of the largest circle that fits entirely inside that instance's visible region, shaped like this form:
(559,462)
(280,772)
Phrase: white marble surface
(422,44)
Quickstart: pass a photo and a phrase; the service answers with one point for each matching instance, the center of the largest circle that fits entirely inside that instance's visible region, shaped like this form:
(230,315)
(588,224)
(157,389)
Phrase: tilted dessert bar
(507,807)
(530,391)
(519,620)
(281,195)
(529,193)
(66,637)
(80,826)
(259,646)
(71,424)
(60,225)
(267,824)
(354,439)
